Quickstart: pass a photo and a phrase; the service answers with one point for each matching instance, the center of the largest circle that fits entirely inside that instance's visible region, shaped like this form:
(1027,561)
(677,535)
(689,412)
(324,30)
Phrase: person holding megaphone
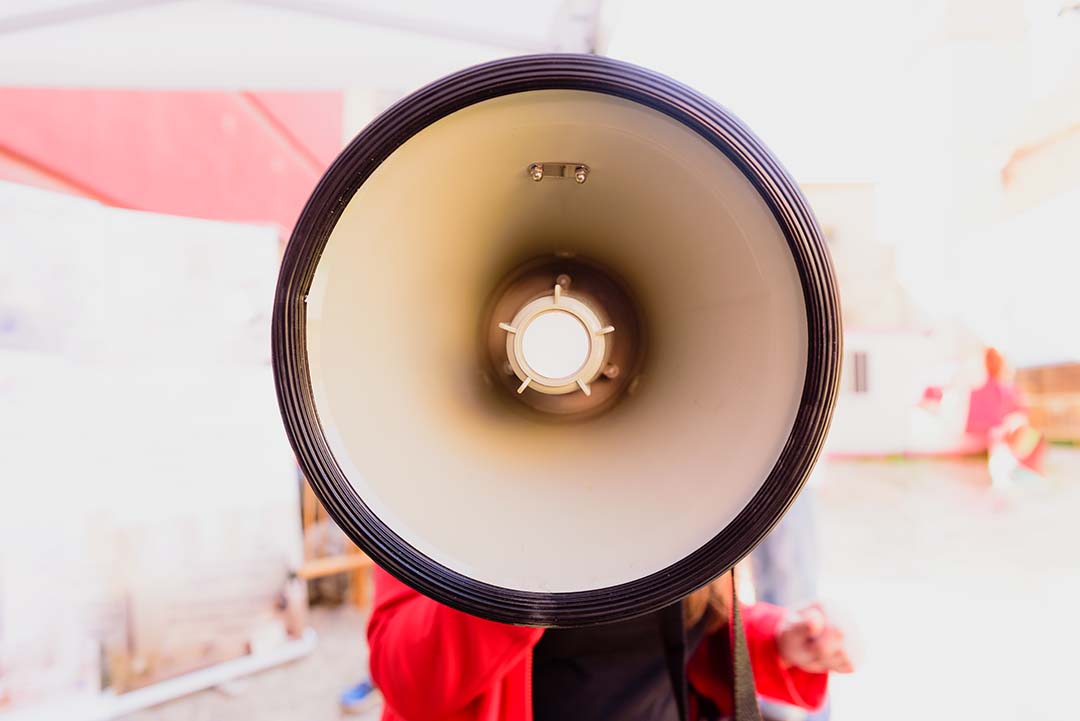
(523,319)
(433,663)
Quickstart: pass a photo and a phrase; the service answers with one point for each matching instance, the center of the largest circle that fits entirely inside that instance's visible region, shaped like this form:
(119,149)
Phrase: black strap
(673,632)
(742,674)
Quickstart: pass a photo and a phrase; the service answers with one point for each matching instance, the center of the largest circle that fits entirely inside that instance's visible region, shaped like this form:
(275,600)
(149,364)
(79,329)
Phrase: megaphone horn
(556,340)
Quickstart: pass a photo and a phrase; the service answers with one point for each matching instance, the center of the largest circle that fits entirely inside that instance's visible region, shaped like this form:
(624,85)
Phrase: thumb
(814,620)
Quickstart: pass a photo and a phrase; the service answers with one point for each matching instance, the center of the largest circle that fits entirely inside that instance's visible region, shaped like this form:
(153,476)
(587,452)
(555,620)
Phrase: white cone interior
(483,486)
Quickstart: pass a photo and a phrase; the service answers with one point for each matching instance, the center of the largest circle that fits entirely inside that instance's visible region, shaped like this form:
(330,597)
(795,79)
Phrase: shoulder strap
(742,674)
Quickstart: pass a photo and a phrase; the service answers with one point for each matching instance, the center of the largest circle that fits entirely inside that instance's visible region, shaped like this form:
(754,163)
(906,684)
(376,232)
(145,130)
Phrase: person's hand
(806,640)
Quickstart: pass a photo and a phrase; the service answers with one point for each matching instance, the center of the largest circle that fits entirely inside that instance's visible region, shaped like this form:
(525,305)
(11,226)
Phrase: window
(860,382)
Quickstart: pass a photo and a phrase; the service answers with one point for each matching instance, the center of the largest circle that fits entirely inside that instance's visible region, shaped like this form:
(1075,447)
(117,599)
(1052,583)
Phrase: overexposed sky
(811,78)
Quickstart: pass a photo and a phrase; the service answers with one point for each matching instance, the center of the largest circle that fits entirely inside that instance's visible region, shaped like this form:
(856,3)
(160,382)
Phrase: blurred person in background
(785,564)
(433,663)
(784,570)
(996,415)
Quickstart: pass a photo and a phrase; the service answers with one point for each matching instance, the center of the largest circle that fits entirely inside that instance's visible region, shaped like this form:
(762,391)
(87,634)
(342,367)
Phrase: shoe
(360,698)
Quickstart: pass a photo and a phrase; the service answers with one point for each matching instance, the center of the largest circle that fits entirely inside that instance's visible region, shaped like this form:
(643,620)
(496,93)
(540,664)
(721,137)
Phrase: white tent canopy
(805,84)
(272,44)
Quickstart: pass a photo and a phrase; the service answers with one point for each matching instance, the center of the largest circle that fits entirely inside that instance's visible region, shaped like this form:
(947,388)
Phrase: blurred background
(161,557)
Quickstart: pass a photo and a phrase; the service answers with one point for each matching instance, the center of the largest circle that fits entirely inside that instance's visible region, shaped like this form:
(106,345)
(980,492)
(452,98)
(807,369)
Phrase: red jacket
(433,663)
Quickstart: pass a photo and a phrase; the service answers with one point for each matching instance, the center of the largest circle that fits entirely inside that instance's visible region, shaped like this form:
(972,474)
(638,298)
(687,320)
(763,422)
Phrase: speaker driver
(556,340)
(564,337)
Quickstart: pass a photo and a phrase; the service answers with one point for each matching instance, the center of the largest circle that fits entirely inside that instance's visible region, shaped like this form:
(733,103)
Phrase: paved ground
(965,603)
(305,690)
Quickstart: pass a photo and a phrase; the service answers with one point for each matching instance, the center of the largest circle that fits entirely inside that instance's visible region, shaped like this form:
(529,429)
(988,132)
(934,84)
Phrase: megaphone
(556,340)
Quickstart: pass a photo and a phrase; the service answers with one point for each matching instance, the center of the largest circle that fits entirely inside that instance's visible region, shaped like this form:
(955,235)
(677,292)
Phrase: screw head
(581,174)
(536,171)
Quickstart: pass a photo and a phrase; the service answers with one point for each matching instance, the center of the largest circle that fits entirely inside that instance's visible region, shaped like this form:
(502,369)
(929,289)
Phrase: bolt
(508,369)
(563,281)
(611,371)
(536,171)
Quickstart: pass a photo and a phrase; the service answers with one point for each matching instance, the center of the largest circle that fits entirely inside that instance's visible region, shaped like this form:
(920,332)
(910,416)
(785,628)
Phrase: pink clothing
(989,405)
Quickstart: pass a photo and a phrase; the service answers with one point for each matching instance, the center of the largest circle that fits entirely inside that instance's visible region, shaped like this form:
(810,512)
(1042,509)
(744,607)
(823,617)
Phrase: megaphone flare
(556,392)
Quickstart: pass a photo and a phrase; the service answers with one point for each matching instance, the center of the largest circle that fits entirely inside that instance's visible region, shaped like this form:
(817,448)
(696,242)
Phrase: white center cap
(555,344)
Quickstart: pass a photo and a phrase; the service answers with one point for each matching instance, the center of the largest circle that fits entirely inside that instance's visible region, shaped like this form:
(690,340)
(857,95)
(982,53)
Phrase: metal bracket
(578,171)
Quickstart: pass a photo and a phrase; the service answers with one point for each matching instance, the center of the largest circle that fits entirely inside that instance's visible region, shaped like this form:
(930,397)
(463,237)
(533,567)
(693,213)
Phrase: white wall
(150,498)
